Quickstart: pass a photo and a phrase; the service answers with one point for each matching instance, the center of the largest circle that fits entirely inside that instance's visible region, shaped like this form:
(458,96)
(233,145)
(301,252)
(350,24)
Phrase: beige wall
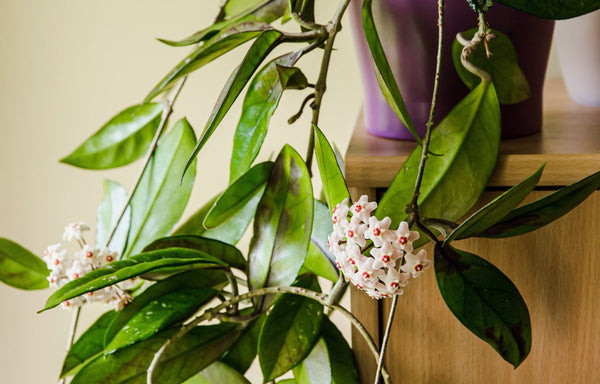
(66,66)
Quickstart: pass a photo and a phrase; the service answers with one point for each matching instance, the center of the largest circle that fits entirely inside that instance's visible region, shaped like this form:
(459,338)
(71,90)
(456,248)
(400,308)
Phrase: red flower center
(418,267)
(358,208)
(350,233)
(75,276)
(351,260)
(89,254)
(377,232)
(403,240)
(394,285)
(109,258)
(385,259)
(56,261)
(366,275)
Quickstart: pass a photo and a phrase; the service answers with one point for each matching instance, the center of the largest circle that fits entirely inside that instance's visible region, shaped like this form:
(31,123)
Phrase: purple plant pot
(408,31)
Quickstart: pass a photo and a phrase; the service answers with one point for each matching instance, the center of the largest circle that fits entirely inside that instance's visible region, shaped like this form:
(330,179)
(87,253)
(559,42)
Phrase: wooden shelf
(569,144)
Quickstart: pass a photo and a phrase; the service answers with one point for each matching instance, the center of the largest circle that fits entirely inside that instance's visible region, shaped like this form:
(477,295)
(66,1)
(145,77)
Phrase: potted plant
(190,307)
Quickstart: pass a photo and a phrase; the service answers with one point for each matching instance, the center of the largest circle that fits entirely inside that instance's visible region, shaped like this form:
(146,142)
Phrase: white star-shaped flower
(405,237)
(74,231)
(362,209)
(379,231)
(415,264)
(385,256)
(394,280)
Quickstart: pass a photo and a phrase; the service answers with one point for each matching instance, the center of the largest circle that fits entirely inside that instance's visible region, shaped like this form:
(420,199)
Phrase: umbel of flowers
(373,257)
(65,267)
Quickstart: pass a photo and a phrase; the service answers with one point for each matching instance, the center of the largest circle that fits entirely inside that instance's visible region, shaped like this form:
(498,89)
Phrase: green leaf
(242,353)
(545,210)
(162,305)
(235,13)
(124,139)
(290,331)
(468,140)
(260,103)
(109,210)
(184,358)
(218,373)
(304,8)
(20,268)
(553,9)
(315,367)
(291,77)
(218,45)
(319,259)
(485,301)
(282,225)
(237,81)
(229,232)
(510,82)
(132,267)
(334,184)
(341,359)
(227,253)
(160,199)
(383,71)
(494,211)
(238,194)
(89,344)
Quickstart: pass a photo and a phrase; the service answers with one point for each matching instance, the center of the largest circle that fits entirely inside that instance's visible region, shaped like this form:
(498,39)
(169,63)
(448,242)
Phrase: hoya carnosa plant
(206,308)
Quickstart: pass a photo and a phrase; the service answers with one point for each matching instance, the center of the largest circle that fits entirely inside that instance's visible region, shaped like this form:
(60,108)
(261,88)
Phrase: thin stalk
(386,336)
(213,313)
(72,331)
(414,208)
(167,111)
(321,85)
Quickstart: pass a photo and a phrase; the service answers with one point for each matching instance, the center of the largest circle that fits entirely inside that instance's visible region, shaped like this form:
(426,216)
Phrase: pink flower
(415,264)
(405,237)
(379,231)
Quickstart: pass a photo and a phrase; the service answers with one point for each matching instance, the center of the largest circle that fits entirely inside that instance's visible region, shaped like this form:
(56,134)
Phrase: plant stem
(414,206)
(321,85)
(386,336)
(213,313)
(167,110)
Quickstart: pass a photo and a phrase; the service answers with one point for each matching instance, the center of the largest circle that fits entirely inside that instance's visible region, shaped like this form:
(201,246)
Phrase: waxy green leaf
(230,231)
(160,199)
(162,305)
(242,353)
(485,301)
(545,210)
(227,253)
(319,259)
(131,267)
(218,373)
(383,71)
(184,358)
(238,194)
(503,67)
(494,211)
(305,9)
(315,367)
(124,139)
(89,344)
(291,77)
(468,140)
(260,103)
(20,268)
(334,184)
(341,358)
(553,9)
(282,225)
(290,331)
(221,43)
(236,12)
(259,50)
(109,210)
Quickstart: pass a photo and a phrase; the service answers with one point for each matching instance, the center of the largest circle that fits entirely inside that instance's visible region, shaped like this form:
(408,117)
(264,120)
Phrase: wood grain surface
(569,144)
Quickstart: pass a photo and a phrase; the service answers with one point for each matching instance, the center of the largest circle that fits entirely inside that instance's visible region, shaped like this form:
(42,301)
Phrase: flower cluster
(372,256)
(64,268)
